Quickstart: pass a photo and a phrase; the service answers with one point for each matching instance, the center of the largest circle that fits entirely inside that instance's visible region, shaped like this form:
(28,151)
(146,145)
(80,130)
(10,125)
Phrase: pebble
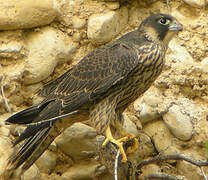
(5,151)
(179,53)
(190,171)
(78,23)
(162,138)
(178,123)
(26,14)
(149,107)
(129,126)
(113,5)
(80,171)
(196,3)
(46,48)
(204,64)
(11,50)
(145,148)
(147,113)
(4,131)
(77,141)
(32,173)
(47,162)
(103,28)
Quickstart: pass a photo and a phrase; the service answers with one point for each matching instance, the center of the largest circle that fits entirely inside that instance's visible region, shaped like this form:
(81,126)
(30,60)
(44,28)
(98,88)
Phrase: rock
(103,28)
(150,169)
(150,106)
(178,123)
(32,173)
(77,141)
(20,14)
(190,171)
(78,23)
(3,118)
(145,148)
(4,131)
(179,53)
(46,48)
(162,138)
(47,162)
(196,3)
(53,147)
(147,113)
(113,5)
(204,64)
(129,125)
(11,50)
(77,37)
(5,151)
(80,171)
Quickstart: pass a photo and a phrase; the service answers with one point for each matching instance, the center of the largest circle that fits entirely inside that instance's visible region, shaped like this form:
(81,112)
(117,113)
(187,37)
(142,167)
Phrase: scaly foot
(109,138)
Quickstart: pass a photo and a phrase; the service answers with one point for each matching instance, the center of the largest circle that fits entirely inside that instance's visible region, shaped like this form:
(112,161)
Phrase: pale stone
(46,48)
(147,113)
(32,173)
(18,14)
(47,162)
(196,3)
(11,50)
(78,23)
(178,123)
(80,171)
(190,171)
(3,117)
(53,147)
(77,37)
(153,100)
(103,28)
(150,169)
(113,5)
(204,64)
(129,126)
(162,138)
(150,106)
(4,131)
(179,53)
(77,141)
(5,151)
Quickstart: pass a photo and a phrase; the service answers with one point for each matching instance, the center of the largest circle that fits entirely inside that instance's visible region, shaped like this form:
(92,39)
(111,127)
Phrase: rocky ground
(39,40)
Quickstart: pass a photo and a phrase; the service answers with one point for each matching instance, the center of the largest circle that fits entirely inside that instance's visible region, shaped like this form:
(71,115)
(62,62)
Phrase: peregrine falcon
(98,88)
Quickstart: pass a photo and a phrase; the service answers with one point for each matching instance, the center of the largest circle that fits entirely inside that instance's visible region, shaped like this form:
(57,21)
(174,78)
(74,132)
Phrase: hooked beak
(176,26)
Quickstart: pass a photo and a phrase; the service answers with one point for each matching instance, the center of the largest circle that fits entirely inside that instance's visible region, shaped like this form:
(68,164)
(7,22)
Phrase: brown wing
(94,74)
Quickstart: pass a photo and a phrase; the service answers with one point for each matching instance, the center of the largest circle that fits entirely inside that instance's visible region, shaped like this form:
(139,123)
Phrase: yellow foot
(135,144)
(119,143)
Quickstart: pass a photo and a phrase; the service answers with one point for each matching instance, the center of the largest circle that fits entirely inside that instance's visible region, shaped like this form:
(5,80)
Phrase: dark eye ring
(162,21)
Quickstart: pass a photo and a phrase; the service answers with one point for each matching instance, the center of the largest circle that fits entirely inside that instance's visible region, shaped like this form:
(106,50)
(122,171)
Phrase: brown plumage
(99,88)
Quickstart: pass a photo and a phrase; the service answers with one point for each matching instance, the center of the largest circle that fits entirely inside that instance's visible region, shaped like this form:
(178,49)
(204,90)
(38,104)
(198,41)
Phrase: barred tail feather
(36,139)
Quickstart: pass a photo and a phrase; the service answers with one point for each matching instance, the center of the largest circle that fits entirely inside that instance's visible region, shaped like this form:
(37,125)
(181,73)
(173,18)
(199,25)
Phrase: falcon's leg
(109,138)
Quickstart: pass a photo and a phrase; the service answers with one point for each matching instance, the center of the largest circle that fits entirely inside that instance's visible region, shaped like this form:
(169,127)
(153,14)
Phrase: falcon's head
(160,27)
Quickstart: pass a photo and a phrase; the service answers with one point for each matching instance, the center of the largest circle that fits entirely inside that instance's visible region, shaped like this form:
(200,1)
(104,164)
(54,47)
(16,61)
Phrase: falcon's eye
(164,21)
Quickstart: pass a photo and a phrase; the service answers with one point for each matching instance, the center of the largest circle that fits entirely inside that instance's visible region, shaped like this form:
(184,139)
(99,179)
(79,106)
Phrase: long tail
(35,140)
(38,135)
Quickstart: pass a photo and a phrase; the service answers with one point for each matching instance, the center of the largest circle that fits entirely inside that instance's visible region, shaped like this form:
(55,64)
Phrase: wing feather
(95,74)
